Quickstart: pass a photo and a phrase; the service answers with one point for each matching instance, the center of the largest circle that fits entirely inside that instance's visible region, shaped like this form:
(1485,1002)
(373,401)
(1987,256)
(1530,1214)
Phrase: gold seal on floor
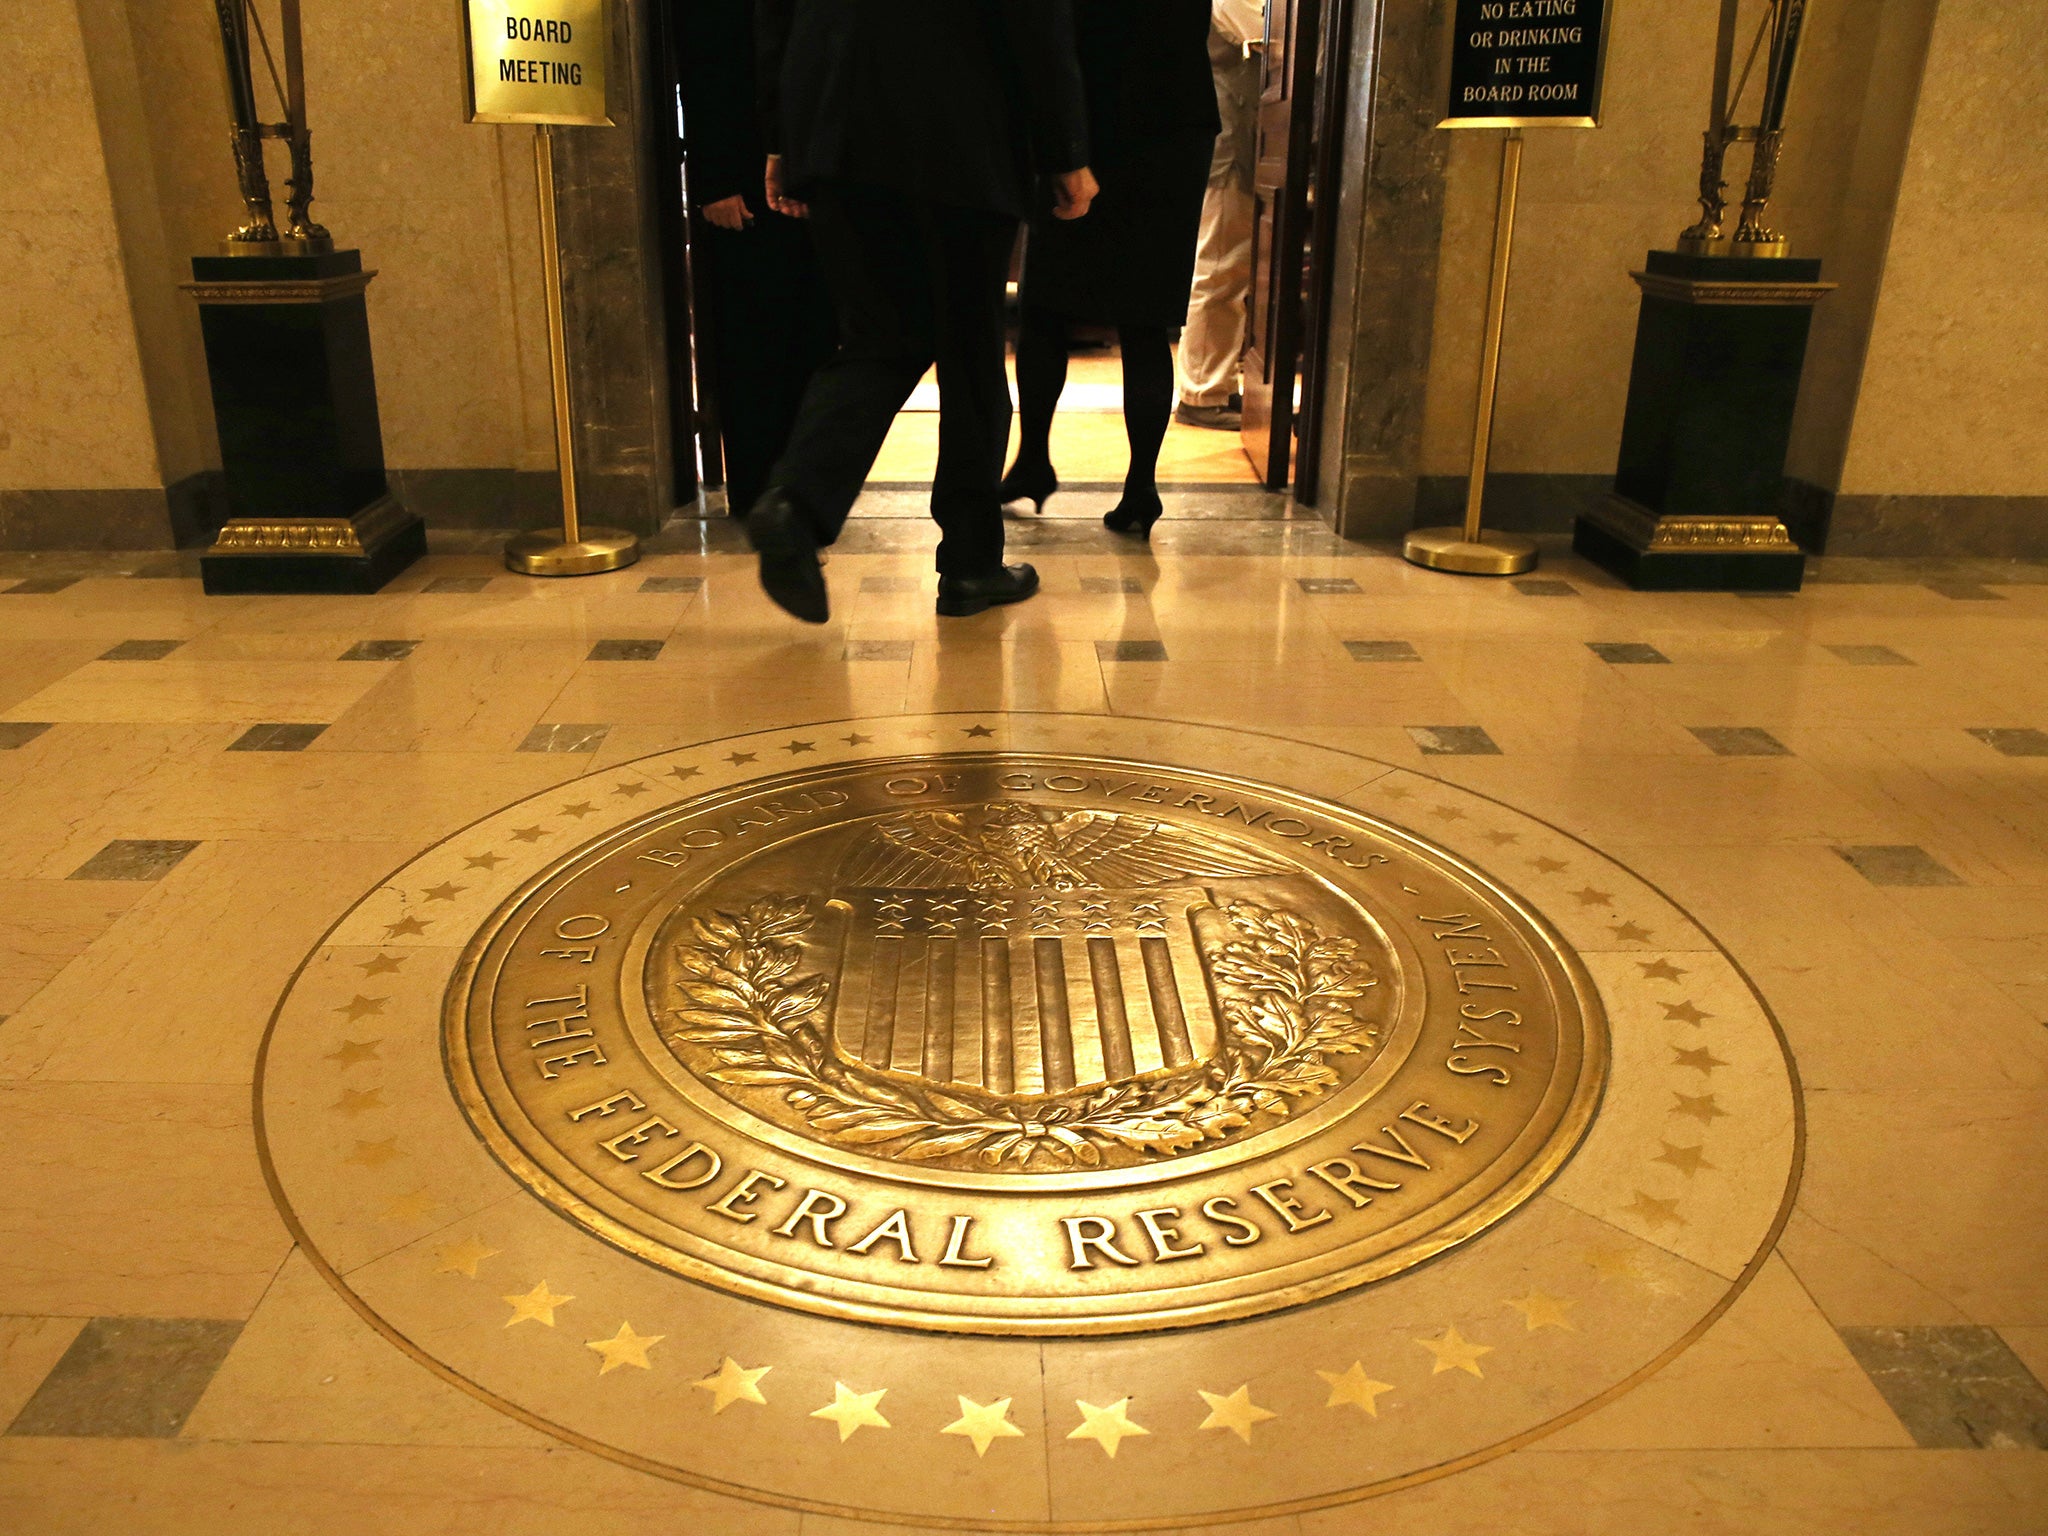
(1024,1044)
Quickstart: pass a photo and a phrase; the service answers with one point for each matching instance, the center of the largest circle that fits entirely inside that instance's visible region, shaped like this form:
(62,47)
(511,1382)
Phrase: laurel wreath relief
(1286,993)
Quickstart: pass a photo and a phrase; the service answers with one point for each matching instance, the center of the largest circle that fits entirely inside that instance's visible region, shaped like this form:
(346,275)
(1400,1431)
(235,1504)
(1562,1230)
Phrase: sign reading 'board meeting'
(1527,64)
(538,61)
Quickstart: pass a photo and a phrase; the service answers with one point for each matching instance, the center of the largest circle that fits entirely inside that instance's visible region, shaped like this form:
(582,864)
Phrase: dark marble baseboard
(519,498)
(1986,527)
(1515,503)
(144,517)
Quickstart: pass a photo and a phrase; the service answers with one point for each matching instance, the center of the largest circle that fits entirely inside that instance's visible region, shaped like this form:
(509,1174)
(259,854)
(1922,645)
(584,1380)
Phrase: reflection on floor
(1848,786)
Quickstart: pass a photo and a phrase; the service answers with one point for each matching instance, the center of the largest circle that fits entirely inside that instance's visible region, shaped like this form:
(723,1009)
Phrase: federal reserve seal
(1024,1044)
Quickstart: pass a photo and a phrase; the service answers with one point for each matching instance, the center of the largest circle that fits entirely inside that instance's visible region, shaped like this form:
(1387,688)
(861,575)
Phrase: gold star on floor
(1700,1107)
(1547,865)
(527,834)
(1107,1427)
(1701,1060)
(1631,933)
(1454,1352)
(1396,791)
(852,1410)
(800,746)
(356,1101)
(447,890)
(632,789)
(405,925)
(1658,1213)
(354,1053)
(1614,1264)
(856,739)
(579,810)
(1687,1160)
(1502,839)
(1685,1013)
(359,1007)
(1354,1388)
(1447,813)
(978,730)
(416,1206)
(625,1348)
(733,1383)
(736,758)
(462,1258)
(1592,898)
(1541,1311)
(1236,1413)
(1660,970)
(373,1154)
(380,965)
(680,773)
(983,1423)
(536,1306)
(484,861)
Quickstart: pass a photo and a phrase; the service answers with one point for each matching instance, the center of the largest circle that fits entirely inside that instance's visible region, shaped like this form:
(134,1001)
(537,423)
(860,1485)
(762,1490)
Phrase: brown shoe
(1218,418)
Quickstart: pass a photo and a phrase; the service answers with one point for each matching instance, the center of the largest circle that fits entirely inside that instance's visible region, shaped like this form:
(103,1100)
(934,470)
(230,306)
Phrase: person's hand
(779,200)
(729,213)
(1072,192)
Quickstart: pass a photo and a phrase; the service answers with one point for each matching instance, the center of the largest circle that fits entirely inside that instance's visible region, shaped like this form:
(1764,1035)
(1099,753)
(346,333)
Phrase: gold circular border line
(1306,1505)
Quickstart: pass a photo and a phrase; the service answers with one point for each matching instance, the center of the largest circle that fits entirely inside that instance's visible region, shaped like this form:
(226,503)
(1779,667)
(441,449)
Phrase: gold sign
(538,61)
(1020,1043)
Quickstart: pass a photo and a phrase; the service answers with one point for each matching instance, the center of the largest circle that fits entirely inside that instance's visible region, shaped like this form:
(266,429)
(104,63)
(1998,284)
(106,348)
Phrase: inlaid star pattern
(579,810)
(1614,1264)
(1588,897)
(855,739)
(984,1423)
(1631,933)
(357,1101)
(380,965)
(978,730)
(462,1258)
(447,890)
(354,1053)
(632,789)
(1447,813)
(625,1348)
(373,1154)
(407,925)
(736,758)
(852,1410)
(1700,1060)
(1455,1352)
(1545,865)
(360,1007)
(1685,1013)
(1700,1107)
(681,772)
(1355,1389)
(1657,1213)
(484,861)
(1660,970)
(1397,792)
(1108,1427)
(1541,1311)
(1687,1160)
(800,746)
(733,1383)
(536,1306)
(1502,839)
(1235,1412)
(527,834)
(417,1206)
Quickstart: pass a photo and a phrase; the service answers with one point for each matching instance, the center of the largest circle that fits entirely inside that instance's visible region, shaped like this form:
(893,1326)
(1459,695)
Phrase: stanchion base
(545,554)
(1447,549)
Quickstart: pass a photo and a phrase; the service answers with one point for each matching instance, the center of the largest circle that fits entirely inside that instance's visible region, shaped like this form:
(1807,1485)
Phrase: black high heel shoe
(1035,483)
(1134,515)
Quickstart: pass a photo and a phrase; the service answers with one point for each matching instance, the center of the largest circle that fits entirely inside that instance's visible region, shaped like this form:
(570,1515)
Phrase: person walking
(1152,117)
(1212,341)
(913,134)
(764,319)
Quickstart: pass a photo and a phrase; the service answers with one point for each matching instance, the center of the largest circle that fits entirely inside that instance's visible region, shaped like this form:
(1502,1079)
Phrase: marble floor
(1838,799)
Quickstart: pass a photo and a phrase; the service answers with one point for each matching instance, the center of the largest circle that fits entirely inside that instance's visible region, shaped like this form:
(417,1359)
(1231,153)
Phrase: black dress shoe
(962,595)
(790,575)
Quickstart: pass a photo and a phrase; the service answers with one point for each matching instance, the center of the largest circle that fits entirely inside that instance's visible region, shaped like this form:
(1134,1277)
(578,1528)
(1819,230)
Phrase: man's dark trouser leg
(971,263)
(873,249)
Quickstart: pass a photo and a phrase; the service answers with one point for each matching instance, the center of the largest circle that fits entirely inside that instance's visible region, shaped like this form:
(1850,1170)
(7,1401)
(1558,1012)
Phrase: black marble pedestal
(295,398)
(1720,344)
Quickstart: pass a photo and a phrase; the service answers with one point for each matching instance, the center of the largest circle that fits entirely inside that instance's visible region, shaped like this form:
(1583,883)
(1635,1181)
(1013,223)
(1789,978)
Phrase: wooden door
(1280,188)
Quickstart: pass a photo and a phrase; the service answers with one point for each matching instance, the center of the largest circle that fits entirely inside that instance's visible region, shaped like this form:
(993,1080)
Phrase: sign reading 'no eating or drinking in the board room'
(1526,64)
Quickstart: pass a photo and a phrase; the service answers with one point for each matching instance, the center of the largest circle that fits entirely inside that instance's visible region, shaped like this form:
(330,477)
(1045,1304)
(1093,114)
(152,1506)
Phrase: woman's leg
(1041,376)
(1148,403)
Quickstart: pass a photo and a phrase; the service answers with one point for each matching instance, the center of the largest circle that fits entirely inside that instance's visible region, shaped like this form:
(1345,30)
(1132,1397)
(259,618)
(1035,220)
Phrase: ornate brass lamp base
(1491,554)
(546,553)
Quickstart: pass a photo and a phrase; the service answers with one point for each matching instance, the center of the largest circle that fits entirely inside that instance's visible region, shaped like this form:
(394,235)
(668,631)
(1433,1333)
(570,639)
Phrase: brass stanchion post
(1469,550)
(579,551)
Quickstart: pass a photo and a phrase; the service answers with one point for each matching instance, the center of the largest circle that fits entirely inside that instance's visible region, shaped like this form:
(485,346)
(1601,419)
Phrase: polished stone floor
(1846,788)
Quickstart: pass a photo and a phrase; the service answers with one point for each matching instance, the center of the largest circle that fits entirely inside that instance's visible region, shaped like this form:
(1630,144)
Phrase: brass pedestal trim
(354,537)
(283,290)
(547,553)
(1688,290)
(1491,554)
(1647,533)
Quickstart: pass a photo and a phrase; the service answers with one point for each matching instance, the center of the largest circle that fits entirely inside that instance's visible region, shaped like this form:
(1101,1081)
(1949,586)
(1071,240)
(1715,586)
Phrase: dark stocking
(1148,403)
(1041,376)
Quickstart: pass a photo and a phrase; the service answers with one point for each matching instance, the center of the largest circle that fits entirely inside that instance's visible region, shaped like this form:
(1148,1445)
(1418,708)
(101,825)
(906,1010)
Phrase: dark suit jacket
(1148,76)
(721,127)
(964,102)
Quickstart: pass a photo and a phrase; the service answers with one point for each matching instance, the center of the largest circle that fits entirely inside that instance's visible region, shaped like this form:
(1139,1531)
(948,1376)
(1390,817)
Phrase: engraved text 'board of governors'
(1018,1043)
(1526,64)
(537,61)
